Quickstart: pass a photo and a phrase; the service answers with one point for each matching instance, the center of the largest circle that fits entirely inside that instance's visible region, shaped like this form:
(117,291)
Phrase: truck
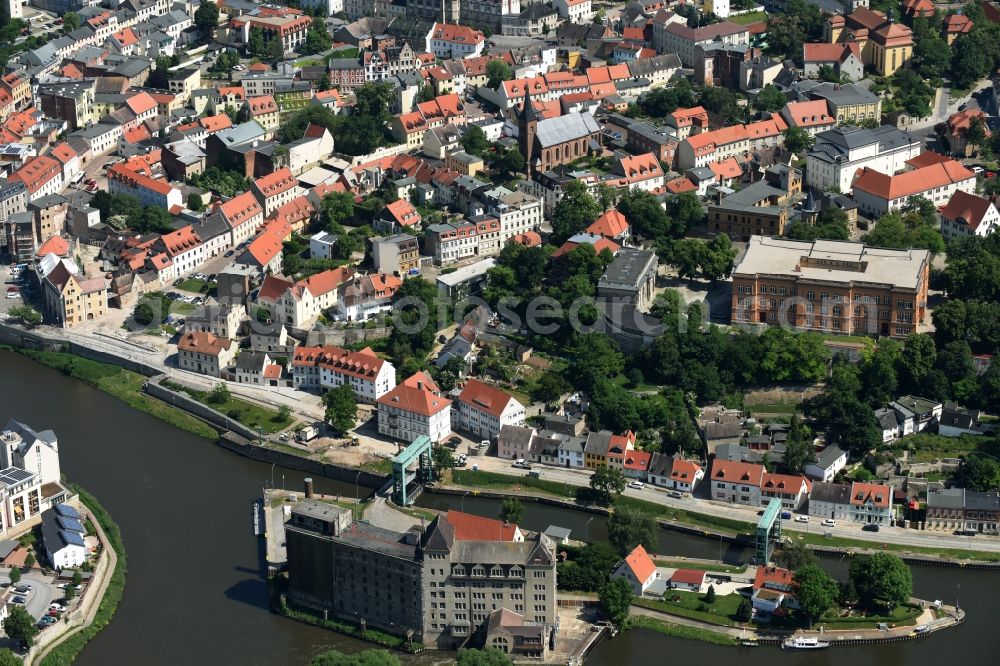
(308,433)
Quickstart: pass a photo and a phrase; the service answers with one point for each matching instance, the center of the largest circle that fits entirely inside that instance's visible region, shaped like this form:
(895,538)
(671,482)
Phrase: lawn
(928,446)
(774,407)
(900,616)
(839,542)
(686,564)
(693,605)
(195,285)
(181,308)
(746,19)
(679,630)
(249,414)
(380,466)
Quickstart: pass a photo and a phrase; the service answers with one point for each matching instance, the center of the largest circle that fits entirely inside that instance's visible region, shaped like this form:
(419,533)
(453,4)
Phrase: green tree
(831,224)
(77,578)
(29,316)
(336,208)
(15,575)
(616,600)
(283,414)
(769,99)
(686,256)
(721,101)
(425,94)
(979,473)
(795,555)
(317,38)
(414,320)
(799,449)
(275,50)
(474,141)
(443,459)
(496,72)
(255,42)
(594,357)
(341,408)
(511,163)
(219,395)
(71,21)
(549,387)
(710,595)
(607,482)
(797,140)
(881,579)
(29,561)
(490,656)
(817,591)
(20,626)
(628,528)
(828,74)
(206,18)
(70,593)
(842,415)
(195,203)
(511,511)
(575,212)
(366,658)
(717,260)
(744,612)
(325,82)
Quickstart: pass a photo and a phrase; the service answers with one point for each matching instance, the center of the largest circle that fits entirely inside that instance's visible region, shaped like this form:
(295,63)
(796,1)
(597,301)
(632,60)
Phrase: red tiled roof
(140,103)
(967,207)
(484,397)
(638,460)
(241,209)
(417,394)
(785,482)
(403,213)
(680,184)
(726,169)
(684,470)
(809,114)
(262,104)
(469,527)
(732,471)
(274,286)
(909,183)
(610,224)
(37,172)
(56,245)
(327,281)
(203,343)
(528,239)
(449,32)
(640,564)
(268,243)
(63,152)
(773,577)
(216,123)
(688,576)
(276,182)
(878,494)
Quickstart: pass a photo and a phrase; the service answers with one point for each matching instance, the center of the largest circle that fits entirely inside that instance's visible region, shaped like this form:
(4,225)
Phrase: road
(894,535)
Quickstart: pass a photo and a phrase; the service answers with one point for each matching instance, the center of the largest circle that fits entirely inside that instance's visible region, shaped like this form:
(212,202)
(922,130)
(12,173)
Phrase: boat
(802,643)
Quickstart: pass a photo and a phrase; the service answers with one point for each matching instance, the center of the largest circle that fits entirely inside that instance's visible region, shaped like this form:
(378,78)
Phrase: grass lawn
(853,339)
(196,286)
(380,466)
(693,605)
(623,381)
(928,446)
(774,407)
(685,564)
(181,308)
(900,616)
(249,414)
(746,19)
(679,630)
(957,553)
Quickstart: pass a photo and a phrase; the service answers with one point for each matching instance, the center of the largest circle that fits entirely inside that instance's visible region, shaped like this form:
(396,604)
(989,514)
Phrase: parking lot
(38,594)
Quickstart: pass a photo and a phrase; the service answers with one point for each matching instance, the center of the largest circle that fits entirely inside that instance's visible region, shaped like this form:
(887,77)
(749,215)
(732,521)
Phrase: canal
(195,594)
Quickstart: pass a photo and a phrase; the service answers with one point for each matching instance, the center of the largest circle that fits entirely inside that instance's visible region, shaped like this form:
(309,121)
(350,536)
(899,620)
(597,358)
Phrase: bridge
(411,465)
(768,531)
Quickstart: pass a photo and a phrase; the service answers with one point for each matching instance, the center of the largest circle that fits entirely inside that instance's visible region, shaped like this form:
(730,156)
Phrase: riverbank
(500,486)
(64,649)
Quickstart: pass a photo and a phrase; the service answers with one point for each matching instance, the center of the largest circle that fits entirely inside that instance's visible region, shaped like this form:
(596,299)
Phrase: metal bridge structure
(412,464)
(768,531)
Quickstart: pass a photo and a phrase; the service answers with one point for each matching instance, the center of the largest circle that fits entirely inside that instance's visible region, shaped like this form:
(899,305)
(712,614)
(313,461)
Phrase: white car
(829,522)
(977,169)
(57,607)
(635,484)
(802,519)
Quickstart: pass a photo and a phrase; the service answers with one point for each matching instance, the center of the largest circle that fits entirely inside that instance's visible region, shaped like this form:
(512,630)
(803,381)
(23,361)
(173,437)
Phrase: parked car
(57,607)
(966,533)
(676,494)
(978,169)
(786,515)
(802,519)
(19,599)
(521,464)
(829,522)
(23,588)
(870,527)
(635,484)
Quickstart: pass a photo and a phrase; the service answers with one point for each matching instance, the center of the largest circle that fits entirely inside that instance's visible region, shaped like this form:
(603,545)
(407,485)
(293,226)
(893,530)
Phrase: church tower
(527,126)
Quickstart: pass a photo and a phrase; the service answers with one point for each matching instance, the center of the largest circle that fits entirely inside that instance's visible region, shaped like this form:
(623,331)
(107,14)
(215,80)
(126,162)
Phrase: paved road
(42,594)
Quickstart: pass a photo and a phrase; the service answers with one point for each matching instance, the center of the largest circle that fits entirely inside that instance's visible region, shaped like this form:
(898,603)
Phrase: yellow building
(72,300)
(892,47)
(464,163)
(885,46)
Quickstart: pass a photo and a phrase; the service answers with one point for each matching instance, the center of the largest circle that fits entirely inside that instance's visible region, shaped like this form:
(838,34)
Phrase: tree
(831,224)
(511,511)
(744,612)
(325,82)
(979,473)
(769,99)
(71,21)
(616,600)
(341,408)
(414,320)
(607,483)
(474,141)
(335,209)
(70,593)
(549,387)
(443,459)
(931,55)
(284,414)
(797,140)
(628,528)
(717,260)
(30,560)
(575,212)
(15,575)
(721,101)
(206,17)
(828,74)
(881,579)
(20,626)
(511,162)
(686,256)
(490,656)
(219,395)
(317,38)
(817,591)
(710,595)
(77,577)
(275,50)
(366,658)
(496,72)
(195,203)
(594,357)
(799,449)
(255,41)
(842,415)
(29,316)
(795,555)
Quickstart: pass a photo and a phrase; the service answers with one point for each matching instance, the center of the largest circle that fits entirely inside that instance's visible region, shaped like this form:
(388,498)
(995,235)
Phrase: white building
(879,193)
(329,367)
(577,11)
(638,569)
(792,490)
(62,536)
(413,408)
(864,503)
(674,473)
(30,479)
(446,40)
(968,215)
(829,461)
(736,482)
(484,409)
(321,245)
(841,152)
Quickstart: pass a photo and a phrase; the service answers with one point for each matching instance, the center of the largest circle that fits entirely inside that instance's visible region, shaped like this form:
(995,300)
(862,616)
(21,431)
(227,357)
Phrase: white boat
(802,643)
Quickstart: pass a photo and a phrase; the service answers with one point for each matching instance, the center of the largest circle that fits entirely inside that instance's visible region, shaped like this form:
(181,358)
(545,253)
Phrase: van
(535,475)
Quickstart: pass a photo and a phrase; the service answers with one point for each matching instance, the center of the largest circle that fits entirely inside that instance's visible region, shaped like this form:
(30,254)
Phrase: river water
(194,592)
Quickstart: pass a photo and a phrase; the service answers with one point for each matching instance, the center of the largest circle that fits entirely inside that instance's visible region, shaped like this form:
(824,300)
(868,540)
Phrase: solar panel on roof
(66,510)
(72,538)
(71,524)
(13,475)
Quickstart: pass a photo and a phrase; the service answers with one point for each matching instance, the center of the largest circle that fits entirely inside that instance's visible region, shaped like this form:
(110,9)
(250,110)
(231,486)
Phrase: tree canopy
(817,591)
(365,658)
(881,579)
(341,408)
(628,528)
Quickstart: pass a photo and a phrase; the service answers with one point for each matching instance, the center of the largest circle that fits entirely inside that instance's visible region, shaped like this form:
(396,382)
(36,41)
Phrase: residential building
(690,580)
(736,482)
(674,472)
(915,414)
(205,353)
(677,37)
(483,410)
(686,122)
(761,208)
(451,241)
(831,286)
(396,255)
(322,245)
(275,190)
(812,116)
(830,500)
(447,40)
(792,490)
(843,59)
(63,537)
(611,225)
(575,11)
(878,193)
(222,320)
(638,569)
(329,367)
(698,150)
(41,176)
(366,296)
(71,299)
(154,192)
(465,281)
(244,216)
(415,408)
(968,215)
(264,110)
(400,215)
(841,152)
(828,462)
(956,421)
(956,134)
(514,442)
(954,509)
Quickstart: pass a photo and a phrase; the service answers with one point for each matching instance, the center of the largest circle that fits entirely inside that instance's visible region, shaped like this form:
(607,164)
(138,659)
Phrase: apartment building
(761,208)
(275,190)
(154,192)
(71,299)
(483,409)
(41,176)
(451,241)
(736,482)
(960,509)
(837,286)
(968,215)
(446,40)
(397,254)
(204,353)
(677,37)
(329,367)
(415,408)
(878,193)
(243,215)
(841,152)
(698,150)
(30,479)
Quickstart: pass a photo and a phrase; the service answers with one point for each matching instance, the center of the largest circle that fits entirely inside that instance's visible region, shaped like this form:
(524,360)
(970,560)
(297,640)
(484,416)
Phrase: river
(194,592)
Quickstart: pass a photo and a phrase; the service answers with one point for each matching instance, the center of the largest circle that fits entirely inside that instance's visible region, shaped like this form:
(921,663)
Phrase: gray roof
(734,452)
(834,493)
(829,455)
(366,536)
(837,142)
(959,417)
(554,131)
(557,533)
(886,418)
(519,436)
(645,66)
(597,443)
(186,151)
(977,501)
(313,508)
(568,444)
(911,405)
(628,268)
(241,133)
(949,498)
(251,361)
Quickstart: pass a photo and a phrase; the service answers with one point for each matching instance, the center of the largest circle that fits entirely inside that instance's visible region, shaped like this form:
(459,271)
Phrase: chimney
(420,385)
(309,487)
